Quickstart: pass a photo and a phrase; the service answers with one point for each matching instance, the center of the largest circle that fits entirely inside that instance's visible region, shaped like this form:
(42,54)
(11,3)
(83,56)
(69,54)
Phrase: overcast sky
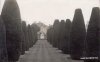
(47,11)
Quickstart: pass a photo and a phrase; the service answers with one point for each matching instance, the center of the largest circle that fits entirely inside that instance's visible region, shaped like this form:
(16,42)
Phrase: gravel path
(42,51)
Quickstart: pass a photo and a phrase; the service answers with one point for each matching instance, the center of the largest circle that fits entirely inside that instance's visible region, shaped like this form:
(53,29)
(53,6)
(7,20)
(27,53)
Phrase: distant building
(43,31)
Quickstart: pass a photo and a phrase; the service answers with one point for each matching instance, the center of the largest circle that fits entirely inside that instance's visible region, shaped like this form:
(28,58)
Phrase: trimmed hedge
(56,33)
(77,35)
(93,34)
(12,20)
(3,49)
(62,34)
(66,48)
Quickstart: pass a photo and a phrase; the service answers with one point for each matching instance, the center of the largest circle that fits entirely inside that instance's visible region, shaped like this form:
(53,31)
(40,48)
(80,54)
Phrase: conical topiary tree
(30,36)
(49,35)
(11,17)
(62,34)
(77,35)
(93,35)
(3,49)
(56,33)
(66,48)
(23,38)
(24,28)
(27,36)
(52,35)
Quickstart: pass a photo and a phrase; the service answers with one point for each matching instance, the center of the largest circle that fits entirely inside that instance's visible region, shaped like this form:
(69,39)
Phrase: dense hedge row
(72,37)
(15,36)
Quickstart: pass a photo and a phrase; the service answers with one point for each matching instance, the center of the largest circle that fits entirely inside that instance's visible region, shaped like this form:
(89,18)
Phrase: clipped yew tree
(23,38)
(32,30)
(50,34)
(24,29)
(12,20)
(27,36)
(30,36)
(93,34)
(66,48)
(62,34)
(77,35)
(3,49)
(56,32)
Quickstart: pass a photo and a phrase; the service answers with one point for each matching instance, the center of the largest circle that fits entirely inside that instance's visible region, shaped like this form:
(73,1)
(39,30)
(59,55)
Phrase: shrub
(66,48)
(93,34)
(3,49)
(77,35)
(12,20)
(61,35)
(56,33)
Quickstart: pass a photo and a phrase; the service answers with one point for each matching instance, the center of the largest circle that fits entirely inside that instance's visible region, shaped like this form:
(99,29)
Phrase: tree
(3,49)
(66,48)
(24,28)
(50,34)
(23,31)
(27,40)
(12,20)
(30,34)
(93,34)
(62,34)
(77,35)
(56,33)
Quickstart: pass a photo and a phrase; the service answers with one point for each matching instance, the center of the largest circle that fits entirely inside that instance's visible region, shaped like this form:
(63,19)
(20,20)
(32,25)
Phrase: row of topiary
(73,38)
(15,36)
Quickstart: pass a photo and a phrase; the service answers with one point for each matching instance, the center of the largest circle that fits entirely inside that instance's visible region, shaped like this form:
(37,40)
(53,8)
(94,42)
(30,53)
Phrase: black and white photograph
(49,30)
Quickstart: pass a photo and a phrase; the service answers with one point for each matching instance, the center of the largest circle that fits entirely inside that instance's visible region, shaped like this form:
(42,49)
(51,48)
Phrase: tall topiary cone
(11,16)
(62,34)
(77,35)
(23,38)
(27,36)
(3,49)
(24,28)
(56,33)
(30,35)
(93,34)
(66,48)
(50,35)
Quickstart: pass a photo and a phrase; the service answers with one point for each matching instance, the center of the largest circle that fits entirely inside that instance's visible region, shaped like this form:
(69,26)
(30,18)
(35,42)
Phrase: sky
(47,11)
